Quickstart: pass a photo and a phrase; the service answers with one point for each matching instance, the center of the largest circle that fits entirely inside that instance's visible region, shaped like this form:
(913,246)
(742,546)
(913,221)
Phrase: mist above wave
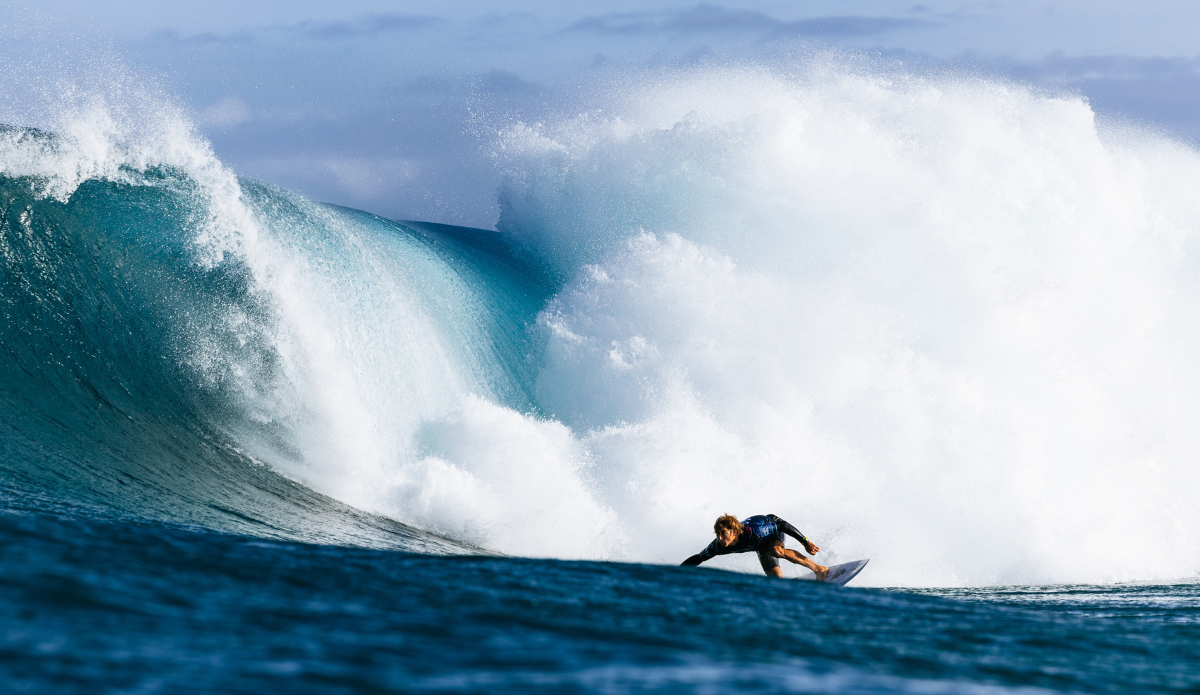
(945,322)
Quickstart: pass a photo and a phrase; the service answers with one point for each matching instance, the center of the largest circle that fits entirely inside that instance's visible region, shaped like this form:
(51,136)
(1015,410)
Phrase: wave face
(945,323)
(180,344)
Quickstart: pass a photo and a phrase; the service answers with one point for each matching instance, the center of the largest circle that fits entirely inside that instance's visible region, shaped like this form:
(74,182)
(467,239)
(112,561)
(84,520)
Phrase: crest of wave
(944,322)
(112,125)
(349,362)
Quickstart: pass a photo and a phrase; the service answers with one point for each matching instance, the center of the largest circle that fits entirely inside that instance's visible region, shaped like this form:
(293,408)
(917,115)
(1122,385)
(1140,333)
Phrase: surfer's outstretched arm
(717,547)
(795,533)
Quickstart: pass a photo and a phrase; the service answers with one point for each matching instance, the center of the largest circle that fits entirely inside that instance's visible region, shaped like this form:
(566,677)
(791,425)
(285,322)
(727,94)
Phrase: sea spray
(944,322)
(173,332)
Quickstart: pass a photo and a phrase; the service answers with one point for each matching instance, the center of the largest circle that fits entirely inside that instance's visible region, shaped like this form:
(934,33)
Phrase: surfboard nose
(840,574)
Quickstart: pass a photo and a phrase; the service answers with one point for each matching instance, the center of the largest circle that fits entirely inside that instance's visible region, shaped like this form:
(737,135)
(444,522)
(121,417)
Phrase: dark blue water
(119,606)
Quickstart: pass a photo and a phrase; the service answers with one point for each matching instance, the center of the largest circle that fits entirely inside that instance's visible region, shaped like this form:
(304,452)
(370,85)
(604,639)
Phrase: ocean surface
(95,605)
(254,443)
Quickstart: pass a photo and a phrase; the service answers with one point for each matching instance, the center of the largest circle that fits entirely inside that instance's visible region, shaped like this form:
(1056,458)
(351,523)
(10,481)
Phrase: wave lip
(183,345)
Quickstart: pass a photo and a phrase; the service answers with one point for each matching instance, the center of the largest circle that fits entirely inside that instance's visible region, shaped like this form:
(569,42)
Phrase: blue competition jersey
(758,531)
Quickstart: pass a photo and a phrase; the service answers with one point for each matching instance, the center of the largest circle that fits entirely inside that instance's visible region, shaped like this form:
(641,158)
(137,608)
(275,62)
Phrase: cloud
(849,27)
(368,26)
(367,178)
(1118,67)
(229,111)
(506,20)
(503,81)
(699,19)
(201,39)
(713,19)
(355,179)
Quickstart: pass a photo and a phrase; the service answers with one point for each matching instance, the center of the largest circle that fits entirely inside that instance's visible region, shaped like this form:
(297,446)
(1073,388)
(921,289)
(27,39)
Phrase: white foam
(507,482)
(944,323)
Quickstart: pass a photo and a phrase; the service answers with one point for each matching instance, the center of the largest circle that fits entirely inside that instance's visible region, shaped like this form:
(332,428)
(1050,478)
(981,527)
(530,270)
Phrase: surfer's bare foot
(821,572)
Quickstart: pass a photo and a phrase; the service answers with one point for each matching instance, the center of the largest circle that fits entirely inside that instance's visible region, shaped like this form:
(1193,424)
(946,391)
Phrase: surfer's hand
(812,548)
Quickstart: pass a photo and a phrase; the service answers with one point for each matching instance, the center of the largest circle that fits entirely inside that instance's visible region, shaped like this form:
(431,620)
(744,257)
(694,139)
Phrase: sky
(387,106)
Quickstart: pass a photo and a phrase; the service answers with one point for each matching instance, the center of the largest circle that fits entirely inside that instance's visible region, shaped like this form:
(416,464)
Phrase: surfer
(764,535)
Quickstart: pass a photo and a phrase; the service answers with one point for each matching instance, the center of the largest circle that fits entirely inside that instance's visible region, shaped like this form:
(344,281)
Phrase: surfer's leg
(777,550)
(769,562)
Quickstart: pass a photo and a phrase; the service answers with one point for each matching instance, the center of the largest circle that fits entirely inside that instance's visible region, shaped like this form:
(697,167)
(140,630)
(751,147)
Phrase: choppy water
(101,606)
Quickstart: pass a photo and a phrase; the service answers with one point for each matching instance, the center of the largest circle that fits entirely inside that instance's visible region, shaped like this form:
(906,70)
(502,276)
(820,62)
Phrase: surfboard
(840,574)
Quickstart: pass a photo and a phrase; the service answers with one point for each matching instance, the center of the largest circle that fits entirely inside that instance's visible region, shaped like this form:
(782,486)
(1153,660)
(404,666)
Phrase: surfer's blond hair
(728,521)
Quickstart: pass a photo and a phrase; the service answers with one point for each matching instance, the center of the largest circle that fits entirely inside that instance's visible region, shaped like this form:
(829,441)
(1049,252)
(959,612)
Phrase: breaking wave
(947,323)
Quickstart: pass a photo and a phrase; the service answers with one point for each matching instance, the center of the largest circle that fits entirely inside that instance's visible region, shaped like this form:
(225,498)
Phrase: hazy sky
(378,105)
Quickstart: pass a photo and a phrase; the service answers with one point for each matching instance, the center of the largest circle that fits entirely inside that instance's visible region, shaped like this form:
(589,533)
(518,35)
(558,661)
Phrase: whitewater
(944,321)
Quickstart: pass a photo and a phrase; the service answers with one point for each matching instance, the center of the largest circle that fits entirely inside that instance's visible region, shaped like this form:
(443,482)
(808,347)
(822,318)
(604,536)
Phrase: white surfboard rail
(840,574)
